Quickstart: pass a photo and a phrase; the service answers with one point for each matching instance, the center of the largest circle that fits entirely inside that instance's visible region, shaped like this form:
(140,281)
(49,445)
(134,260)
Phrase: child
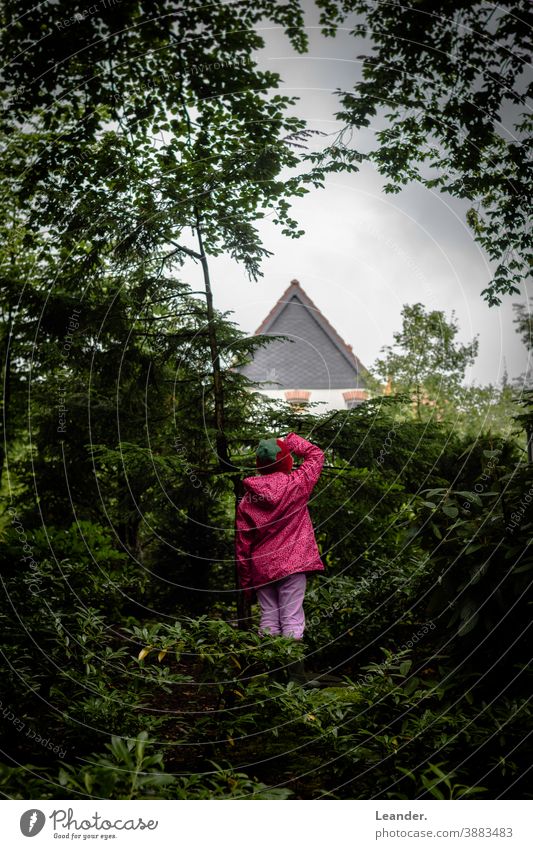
(275,543)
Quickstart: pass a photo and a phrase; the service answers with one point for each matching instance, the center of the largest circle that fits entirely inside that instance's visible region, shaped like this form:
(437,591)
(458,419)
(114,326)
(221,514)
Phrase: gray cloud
(364,253)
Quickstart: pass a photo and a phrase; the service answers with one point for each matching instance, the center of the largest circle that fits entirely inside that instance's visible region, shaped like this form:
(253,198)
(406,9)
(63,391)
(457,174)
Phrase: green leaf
(467,624)
(471,496)
(119,749)
(405,666)
(436,530)
(140,745)
(525,567)
(438,771)
(471,548)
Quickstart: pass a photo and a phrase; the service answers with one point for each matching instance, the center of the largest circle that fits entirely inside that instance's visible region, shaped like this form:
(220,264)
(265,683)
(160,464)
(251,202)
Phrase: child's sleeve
(309,472)
(244,537)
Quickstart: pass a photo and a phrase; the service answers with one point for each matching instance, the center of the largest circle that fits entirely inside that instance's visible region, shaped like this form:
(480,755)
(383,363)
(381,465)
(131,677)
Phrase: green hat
(272,455)
(267,450)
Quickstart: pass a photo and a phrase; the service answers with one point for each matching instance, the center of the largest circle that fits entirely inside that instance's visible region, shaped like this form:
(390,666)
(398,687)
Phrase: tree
(447,85)
(524,322)
(155,141)
(489,408)
(151,73)
(425,360)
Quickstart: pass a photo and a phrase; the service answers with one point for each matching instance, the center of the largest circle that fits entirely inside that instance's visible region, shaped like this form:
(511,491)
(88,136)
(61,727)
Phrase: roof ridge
(278,303)
(319,317)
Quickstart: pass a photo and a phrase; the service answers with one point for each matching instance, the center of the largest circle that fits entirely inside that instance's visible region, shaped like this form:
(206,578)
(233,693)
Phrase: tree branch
(182,249)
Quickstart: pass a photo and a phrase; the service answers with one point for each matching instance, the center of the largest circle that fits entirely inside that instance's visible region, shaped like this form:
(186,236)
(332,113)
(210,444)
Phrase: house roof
(293,291)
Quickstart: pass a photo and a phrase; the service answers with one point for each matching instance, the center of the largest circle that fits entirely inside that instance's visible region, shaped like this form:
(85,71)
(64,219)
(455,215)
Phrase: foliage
(488,408)
(425,359)
(127,771)
(122,141)
(483,571)
(438,783)
(447,87)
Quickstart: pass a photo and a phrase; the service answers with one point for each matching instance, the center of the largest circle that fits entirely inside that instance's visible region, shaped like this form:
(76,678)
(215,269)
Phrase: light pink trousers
(281,604)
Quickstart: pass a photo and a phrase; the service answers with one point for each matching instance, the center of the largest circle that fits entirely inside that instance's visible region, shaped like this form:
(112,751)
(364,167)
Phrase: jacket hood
(268,489)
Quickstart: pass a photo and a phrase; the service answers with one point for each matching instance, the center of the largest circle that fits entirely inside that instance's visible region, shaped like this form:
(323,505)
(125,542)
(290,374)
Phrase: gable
(314,358)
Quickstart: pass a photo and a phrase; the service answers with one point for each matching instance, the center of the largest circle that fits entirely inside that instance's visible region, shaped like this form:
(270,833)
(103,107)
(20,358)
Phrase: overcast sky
(365,254)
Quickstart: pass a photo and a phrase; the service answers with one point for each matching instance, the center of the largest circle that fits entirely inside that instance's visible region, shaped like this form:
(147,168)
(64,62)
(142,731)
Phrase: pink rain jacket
(274,536)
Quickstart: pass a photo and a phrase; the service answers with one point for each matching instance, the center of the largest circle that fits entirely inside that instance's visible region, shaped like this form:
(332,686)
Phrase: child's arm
(309,471)
(244,533)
